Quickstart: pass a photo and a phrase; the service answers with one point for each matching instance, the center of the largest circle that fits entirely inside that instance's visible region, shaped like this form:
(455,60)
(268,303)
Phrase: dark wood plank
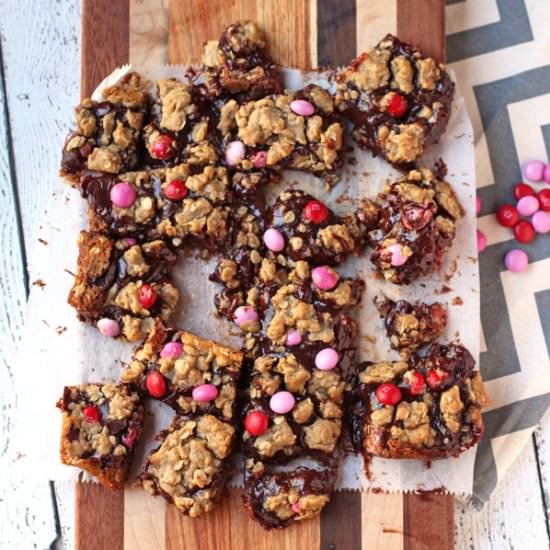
(341,522)
(428,522)
(105,40)
(422,23)
(336,32)
(99,521)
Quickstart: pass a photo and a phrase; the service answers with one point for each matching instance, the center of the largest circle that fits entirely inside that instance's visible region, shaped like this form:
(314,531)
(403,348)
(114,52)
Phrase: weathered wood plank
(542,453)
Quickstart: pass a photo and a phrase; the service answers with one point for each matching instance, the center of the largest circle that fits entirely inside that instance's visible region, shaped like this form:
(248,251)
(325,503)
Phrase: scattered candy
(524,232)
(528,205)
(147,296)
(162,147)
(108,327)
(129,439)
(522,190)
(507,215)
(541,222)
(388,394)
(324,277)
(302,107)
(533,170)
(156,384)
(205,392)
(259,159)
(481,241)
(256,423)
(91,413)
(130,241)
(397,106)
(478,205)
(123,194)
(293,338)
(397,256)
(546,173)
(245,314)
(274,240)
(516,260)
(316,212)
(234,152)
(326,359)
(171,350)
(416,386)
(282,402)
(176,190)
(544,200)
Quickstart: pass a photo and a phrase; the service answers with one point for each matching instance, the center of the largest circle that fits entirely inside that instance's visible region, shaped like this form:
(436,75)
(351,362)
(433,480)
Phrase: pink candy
(245,314)
(397,256)
(516,260)
(205,392)
(295,508)
(478,205)
(282,402)
(130,241)
(293,338)
(541,222)
(123,194)
(274,240)
(324,278)
(108,327)
(527,205)
(171,350)
(481,241)
(533,170)
(327,359)
(546,174)
(234,152)
(259,159)
(302,107)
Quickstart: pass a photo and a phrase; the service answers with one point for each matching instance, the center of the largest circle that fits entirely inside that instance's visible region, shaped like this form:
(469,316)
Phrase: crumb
(44,242)
(39,282)
(60,329)
(457,301)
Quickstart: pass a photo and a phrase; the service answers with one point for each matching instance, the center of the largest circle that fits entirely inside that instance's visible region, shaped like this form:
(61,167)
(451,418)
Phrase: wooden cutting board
(304,34)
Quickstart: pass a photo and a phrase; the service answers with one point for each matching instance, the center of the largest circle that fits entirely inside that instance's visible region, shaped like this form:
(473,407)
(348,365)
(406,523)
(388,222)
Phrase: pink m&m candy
(108,327)
(295,507)
(282,402)
(293,338)
(541,222)
(274,240)
(327,359)
(533,170)
(546,173)
(205,392)
(123,194)
(397,256)
(234,152)
(171,350)
(130,241)
(481,241)
(324,278)
(516,260)
(478,205)
(528,205)
(259,159)
(302,107)
(245,314)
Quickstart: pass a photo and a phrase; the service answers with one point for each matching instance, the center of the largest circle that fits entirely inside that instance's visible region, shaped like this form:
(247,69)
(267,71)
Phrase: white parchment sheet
(58,350)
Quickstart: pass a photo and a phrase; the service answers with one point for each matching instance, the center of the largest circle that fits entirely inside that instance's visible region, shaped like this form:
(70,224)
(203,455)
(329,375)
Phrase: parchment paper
(57,350)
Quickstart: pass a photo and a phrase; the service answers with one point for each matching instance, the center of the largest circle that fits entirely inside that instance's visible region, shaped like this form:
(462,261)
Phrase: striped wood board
(305,34)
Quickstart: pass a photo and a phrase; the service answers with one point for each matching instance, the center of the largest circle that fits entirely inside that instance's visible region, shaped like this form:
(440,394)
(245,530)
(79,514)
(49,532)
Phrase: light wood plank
(144,527)
(375,19)
(382,521)
(148,32)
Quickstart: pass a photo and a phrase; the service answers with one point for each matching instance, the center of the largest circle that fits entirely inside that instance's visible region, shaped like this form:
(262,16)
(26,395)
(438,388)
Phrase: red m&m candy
(397,106)
(388,394)
(91,413)
(417,383)
(316,212)
(507,215)
(162,147)
(147,296)
(156,384)
(544,200)
(256,423)
(522,190)
(524,232)
(176,190)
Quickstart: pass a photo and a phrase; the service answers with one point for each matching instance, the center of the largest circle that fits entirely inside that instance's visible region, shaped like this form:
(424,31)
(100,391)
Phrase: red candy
(176,190)
(388,394)
(256,423)
(507,215)
(147,296)
(316,212)
(162,147)
(434,378)
(524,232)
(417,384)
(91,413)
(156,384)
(397,106)
(544,200)
(129,439)
(522,190)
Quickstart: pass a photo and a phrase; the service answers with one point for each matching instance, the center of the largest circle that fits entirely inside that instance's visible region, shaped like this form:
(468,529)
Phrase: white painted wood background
(40,74)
